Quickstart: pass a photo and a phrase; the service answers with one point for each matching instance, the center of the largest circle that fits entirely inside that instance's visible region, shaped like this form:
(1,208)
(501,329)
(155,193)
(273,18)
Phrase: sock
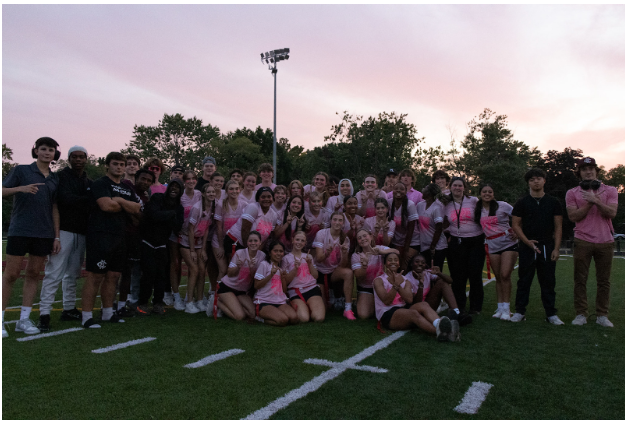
(457,311)
(107,313)
(348,306)
(121,305)
(25,314)
(499,306)
(86,315)
(436,322)
(506,306)
(176,296)
(2,316)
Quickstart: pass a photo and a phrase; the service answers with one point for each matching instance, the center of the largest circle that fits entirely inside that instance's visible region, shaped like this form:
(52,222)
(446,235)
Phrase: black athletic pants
(154,267)
(531,262)
(465,257)
(439,257)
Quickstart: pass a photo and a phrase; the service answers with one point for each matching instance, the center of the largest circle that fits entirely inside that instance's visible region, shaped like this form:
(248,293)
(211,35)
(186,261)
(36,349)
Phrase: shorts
(363,290)
(514,248)
(105,252)
(21,245)
(223,288)
(388,314)
(321,278)
(315,292)
(261,305)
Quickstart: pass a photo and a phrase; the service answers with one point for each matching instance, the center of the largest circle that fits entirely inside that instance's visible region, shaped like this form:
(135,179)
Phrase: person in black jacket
(161,215)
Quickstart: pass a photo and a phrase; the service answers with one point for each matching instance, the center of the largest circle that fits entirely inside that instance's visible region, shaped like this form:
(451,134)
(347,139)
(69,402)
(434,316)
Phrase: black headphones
(57,152)
(593,185)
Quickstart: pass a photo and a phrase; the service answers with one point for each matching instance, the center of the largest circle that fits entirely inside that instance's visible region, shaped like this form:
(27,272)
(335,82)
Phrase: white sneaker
(191,308)
(259,319)
(200,305)
(498,313)
(168,299)
(27,326)
(603,321)
(442,307)
(505,314)
(5,332)
(579,320)
(179,304)
(211,300)
(517,317)
(555,320)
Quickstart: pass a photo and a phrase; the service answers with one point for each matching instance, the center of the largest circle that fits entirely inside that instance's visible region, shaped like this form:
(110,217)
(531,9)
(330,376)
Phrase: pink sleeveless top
(380,307)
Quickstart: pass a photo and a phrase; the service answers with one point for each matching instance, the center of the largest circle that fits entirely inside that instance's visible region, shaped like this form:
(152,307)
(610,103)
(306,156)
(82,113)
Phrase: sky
(85,75)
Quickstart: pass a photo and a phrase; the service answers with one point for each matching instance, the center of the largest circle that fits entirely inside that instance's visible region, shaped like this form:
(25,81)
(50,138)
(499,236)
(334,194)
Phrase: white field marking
(487,281)
(473,398)
(314,384)
(11,321)
(353,366)
(122,345)
(45,335)
(212,358)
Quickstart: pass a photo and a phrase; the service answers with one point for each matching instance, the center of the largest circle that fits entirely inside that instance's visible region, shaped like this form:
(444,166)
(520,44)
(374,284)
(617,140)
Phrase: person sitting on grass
(271,285)
(392,292)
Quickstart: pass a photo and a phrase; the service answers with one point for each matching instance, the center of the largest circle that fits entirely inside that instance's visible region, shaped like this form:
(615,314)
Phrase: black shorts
(223,288)
(315,292)
(321,278)
(386,317)
(22,245)
(514,248)
(105,252)
(361,289)
(262,305)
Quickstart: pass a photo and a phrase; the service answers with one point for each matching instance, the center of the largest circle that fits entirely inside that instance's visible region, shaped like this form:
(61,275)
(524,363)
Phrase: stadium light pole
(271,59)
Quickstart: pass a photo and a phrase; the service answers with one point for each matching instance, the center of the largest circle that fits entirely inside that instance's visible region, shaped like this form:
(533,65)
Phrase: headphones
(593,185)
(57,152)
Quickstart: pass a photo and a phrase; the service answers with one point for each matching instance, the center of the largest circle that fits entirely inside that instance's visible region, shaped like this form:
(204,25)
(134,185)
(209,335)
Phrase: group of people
(288,254)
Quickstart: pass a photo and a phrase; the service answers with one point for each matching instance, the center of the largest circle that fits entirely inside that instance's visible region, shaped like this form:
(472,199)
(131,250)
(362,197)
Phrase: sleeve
(262,270)
(153,210)
(412,211)
(518,210)
(279,217)
(66,196)
(233,261)
(318,242)
(356,261)
(570,199)
(194,215)
(250,213)
(612,196)
(505,208)
(391,229)
(13,179)
(218,210)
(288,263)
(438,214)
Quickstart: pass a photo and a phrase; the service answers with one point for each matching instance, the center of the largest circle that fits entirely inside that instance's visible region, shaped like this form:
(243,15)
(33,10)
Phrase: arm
(246,228)
(30,189)
(437,271)
(129,206)
(406,292)
(107,205)
(516,227)
(219,252)
(259,283)
(191,236)
(66,196)
(233,271)
(312,269)
(557,238)
(203,253)
(291,275)
(56,218)
(386,297)
(578,213)
(320,254)
(437,235)
(407,241)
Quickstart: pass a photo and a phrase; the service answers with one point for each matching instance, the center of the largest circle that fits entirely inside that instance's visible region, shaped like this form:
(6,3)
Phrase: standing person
(231,211)
(390,180)
(381,226)
(73,200)
(317,217)
(156,165)
(537,221)
(111,205)
(34,227)
(212,267)
(502,247)
(366,198)
(248,191)
(209,166)
(236,175)
(176,172)
(592,206)
(408,178)
(335,204)
(279,199)
(218,181)
(353,221)
(320,180)
(265,171)
(431,215)
(442,179)
(404,213)
(133,164)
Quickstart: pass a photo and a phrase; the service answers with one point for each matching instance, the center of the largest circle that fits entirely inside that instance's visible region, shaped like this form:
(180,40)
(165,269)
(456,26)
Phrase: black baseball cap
(177,168)
(391,172)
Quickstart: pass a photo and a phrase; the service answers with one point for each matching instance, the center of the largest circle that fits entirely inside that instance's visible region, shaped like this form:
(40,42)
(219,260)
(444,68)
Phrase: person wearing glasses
(156,166)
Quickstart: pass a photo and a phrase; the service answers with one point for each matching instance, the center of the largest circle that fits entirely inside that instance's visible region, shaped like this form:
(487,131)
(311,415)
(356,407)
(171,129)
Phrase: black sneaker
(114,319)
(91,324)
(143,310)
(73,314)
(464,318)
(125,312)
(44,323)
(158,308)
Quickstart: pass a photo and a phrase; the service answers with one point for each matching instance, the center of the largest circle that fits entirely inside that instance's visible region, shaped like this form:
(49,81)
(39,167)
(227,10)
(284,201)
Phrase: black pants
(465,257)
(439,257)
(531,262)
(154,266)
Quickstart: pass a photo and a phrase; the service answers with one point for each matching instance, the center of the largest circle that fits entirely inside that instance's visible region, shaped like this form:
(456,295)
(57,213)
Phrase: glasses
(154,168)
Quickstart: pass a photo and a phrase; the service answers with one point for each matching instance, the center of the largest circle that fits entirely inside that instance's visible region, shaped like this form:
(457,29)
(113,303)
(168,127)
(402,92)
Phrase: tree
(239,153)
(616,178)
(94,168)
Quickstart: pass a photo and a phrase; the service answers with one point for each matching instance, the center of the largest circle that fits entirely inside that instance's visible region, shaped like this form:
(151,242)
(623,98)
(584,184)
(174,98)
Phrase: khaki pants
(583,253)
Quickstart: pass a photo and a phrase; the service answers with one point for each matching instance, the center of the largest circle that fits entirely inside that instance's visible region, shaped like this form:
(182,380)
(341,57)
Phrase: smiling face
(265,200)
(296,205)
(399,191)
(370,184)
(441,181)
(45,153)
(392,262)
(351,206)
(299,241)
(487,194)
(174,191)
(208,169)
(363,238)
(345,188)
(276,253)
(236,176)
(320,182)
(266,176)
(279,196)
(143,182)
(250,183)
(337,222)
(190,181)
(333,189)
(209,193)
(315,205)
(457,188)
(381,210)
(218,182)
(419,265)
(233,191)
(253,242)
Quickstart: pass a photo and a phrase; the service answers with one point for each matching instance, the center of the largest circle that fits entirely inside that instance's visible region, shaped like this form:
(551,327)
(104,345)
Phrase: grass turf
(539,371)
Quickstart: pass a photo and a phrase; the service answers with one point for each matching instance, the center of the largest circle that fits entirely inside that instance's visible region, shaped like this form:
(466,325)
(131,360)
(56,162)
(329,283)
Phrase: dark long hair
(493,206)
(272,244)
(404,209)
(212,213)
(287,233)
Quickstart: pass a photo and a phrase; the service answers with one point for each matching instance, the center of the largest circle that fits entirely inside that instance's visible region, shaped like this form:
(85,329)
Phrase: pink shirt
(428,277)
(496,225)
(467,227)
(252,199)
(379,237)
(400,233)
(361,196)
(380,307)
(412,194)
(428,218)
(279,211)
(321,221)
(243,281)
(187,203)
(594,227)
(359,222)
(375,267)
(303,281)
(272,292)
(330,205)
(230,216)
(263,223)
(326,241)
(272,186)
(200,220)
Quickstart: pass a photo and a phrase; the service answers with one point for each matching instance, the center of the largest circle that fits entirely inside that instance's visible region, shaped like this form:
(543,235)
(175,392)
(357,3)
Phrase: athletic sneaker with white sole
(517,317)
(498,313)
(579,320)
(168,299)
(443,330)
(442,307)
(179,304)
(5,332)
(555,320)
(191,308)
(27,326)
(454,335)
(505,314)
(200,305)
(603,321)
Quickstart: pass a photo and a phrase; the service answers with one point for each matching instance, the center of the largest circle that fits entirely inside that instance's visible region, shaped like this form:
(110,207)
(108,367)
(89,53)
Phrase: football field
(181,366)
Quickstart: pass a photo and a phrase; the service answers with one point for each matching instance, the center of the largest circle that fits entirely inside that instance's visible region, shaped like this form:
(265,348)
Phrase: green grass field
(538,371)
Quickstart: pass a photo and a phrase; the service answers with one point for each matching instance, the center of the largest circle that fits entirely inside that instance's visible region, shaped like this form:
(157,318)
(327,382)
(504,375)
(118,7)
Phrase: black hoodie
(162,215)
(74,200)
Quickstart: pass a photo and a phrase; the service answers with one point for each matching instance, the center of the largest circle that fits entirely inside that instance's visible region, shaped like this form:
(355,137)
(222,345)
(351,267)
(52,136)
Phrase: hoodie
(162,215)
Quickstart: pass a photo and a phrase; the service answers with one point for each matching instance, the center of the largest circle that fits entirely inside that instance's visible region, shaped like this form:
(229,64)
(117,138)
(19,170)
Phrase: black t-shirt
(200,183)
(101,221)
(537,216)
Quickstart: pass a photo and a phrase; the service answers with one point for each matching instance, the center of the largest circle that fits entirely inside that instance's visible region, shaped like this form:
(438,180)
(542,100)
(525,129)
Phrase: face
(250,183)
(277,252)
(253,242)
(265,200)
(234,190)
(143,182)
(333,189)
(190,181)
(117,168)
(457,188)
(209,168)
(441,181)
(337,222)
(363,238)
(218,182)
(390,180)
(236,176)
(315,205)
(536,183)
(399,191)
(345,188)
(266,176)
(176,174)
(78,161)
(296,205)
(131,167)
(370,184)
(156,169)
(299,241)
(210,193)
(418,265)
(381,210)
(320,182)
(45,153)
(279,196)
(588,173)
(351,206)
(406,180)
(487,194)
(392,262)
(296,190)
(174,190)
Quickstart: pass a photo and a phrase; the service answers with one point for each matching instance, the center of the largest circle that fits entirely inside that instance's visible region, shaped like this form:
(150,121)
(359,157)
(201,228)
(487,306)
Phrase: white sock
(348,306)
(121,305)
(2,316)
(457,311)
(107,313)
(86,315)
(176,296)
(436,322)
(25,314)
(499,306)
(506,306)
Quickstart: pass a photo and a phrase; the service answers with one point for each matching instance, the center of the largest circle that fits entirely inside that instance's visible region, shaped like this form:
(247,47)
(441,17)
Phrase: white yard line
(314,384)
(45,335)
(212,358)
(122,345)
(353,366)
(473,398)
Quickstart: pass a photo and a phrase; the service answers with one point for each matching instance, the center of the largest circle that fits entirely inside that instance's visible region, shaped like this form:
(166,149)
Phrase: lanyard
(458,213)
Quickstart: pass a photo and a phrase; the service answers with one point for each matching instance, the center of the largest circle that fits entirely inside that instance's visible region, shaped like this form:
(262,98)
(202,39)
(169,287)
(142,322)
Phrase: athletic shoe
(144,310)
(339,304)
(191,308)
(5,332)
(443,330)
(44,323)
(498,313)
(555,320)
(27,326)
(442,307)
(91,324)
(463,318)
(505,315)
(259,319)
(349,315)
(168,299)
(211,301)
(454,335)
(125,311)
(115,319)
(603,321)
(73,314)
(517,317)
(179,304)
(200,305)
(579,320)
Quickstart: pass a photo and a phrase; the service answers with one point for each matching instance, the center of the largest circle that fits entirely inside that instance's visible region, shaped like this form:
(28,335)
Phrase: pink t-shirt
(263,223)
(201,221)
(244,280)
(326,241)
(361,196)
(428,277)
(158,189)
(375,267)
(412,194)
(380,307)
(331,204)
(594,227)
(359,222)
(379,237)
(272,186)
(187,203)
(272,292)
(304,281)
(251,199)
(230,216)
(496,225)
(400,233)
(468,228)
(316,223)
(428,218)
(279,211)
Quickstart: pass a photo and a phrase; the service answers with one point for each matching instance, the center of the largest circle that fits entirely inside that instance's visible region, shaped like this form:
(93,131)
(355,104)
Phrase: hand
(345,246)
(203,255)
(219,253)
(300,222)
(590,197)
(386,226)
(435,270)
(364,260)
(512,235)
(309,258)
(532,244)
(56,247)
(337,206)
(307,227)
(239,263)
(194,256)
(253,262)
(555,255)
(274,269)
(371,195)
(297,262)
(31,189)
(351,221)
(290,217)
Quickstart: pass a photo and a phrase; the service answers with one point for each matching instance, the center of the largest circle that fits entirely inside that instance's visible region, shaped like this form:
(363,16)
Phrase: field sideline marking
(122,345)
(212,358)
(473,398)
(45,335)
(347,366)
(314,384)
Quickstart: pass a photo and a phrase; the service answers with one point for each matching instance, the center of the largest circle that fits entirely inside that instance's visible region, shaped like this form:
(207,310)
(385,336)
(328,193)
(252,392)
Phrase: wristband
(57,239)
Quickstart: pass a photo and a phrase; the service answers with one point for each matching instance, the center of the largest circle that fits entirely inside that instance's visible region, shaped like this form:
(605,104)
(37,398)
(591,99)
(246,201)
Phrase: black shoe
(73,314)
(91,322)
(44,323)
(158,308)
(125,312)
(463,318)
(114,319)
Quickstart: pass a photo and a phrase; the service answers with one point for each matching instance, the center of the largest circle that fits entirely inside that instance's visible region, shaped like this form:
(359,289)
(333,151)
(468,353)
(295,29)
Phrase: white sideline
(45,335)
(212,358)
(314,384)
(327,363)
(122,345)
(473,398)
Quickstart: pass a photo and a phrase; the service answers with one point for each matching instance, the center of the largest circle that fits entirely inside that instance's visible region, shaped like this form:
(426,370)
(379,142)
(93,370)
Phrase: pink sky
(87,74)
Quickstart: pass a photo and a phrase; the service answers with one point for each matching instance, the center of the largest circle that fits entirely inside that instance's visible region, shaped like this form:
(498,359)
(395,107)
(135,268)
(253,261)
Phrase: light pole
(271,59)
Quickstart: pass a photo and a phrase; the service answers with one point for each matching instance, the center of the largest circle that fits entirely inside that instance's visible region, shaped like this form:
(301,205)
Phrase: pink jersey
(460,218)
(316,223)
(331,205)
(326,241)
(375,268)
(400,233)
(244,280)
(594,227)
(303,281)
(187,204)
(379,237)
(229,217)
(497,225)
(272,292)
(272,186)
(201,220)
(359,222)
(279,211)
(263,223)
(428,277)
(251,199)
(380,307)
(428,218)
(361,196)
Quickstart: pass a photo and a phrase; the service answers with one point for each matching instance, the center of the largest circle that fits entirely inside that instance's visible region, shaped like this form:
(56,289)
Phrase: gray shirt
(32,213)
